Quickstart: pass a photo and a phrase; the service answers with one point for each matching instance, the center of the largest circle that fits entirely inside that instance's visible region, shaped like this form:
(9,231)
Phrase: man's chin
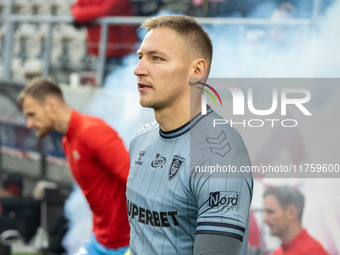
(145,104)
(273,233)
(41,134)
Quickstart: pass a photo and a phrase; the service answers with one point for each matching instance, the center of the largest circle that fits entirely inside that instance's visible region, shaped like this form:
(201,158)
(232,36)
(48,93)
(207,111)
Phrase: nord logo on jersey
(139,160)
(158,161)
(177,161)
(147,217)
(223,198)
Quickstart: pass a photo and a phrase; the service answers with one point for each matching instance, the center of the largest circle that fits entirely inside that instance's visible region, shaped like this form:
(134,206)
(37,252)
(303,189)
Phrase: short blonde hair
(193,33)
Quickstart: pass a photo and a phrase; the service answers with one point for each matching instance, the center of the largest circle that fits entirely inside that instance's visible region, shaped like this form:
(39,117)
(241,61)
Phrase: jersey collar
(73,126)
(184,128)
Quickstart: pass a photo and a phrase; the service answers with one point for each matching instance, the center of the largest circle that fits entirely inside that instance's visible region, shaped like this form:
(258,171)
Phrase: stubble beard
(42,132)
(159,104)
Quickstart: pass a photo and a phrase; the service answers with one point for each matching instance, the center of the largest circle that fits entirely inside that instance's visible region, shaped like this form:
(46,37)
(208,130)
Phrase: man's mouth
(143,86)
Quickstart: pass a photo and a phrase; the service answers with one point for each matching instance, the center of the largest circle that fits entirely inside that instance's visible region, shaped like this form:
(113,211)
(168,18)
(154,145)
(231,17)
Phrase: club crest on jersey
(76,155)
(158,161)
(176,164)
(139,160)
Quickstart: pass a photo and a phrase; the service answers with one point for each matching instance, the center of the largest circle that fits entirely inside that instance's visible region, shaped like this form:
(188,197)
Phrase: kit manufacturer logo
(139,160)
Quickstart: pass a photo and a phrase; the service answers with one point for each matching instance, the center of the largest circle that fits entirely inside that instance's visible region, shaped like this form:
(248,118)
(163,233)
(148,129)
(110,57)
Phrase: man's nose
(29,123)
(141,68)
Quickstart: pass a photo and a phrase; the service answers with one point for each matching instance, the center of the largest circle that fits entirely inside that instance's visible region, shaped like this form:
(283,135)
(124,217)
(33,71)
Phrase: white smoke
(304,54)
(78,213)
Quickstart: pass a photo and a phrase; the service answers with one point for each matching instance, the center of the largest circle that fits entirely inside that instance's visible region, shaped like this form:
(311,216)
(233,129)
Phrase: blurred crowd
(222,8)
(70,54)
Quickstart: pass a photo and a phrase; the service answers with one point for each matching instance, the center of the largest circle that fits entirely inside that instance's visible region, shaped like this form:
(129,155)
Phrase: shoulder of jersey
(147,128)
(216,140)
(91,122)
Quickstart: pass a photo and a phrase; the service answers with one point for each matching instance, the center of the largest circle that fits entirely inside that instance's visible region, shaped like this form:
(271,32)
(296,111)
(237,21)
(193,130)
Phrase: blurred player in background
(172,208)
(97,158)
(283,209)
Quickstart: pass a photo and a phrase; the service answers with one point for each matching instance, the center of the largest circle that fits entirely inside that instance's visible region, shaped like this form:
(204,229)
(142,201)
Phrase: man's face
(163,73)
(38,116)
(275,216)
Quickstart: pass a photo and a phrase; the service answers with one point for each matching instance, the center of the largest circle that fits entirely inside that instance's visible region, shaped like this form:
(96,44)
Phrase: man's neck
(170,119)
(63,119)
(291,233)
(177,115)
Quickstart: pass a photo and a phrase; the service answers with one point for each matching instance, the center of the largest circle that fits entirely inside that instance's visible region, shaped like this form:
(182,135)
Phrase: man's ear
(292,212)
(200,69)
(51,104)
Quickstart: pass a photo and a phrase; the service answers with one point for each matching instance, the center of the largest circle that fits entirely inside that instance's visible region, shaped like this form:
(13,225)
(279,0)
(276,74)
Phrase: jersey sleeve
(107,147)
(216,245)
(87,11)
(223,200)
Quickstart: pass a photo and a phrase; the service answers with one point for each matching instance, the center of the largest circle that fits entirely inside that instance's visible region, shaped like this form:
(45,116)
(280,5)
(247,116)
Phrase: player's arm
(216,245)
(221,226)
(107,147)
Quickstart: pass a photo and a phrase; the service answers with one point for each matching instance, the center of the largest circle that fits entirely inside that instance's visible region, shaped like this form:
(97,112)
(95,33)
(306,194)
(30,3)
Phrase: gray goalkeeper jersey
(177,188)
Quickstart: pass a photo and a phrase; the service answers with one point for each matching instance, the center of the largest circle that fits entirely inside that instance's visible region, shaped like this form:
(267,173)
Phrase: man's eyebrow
(150,52)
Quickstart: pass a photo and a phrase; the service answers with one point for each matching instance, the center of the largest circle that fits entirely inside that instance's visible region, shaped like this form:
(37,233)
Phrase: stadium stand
(29,41)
